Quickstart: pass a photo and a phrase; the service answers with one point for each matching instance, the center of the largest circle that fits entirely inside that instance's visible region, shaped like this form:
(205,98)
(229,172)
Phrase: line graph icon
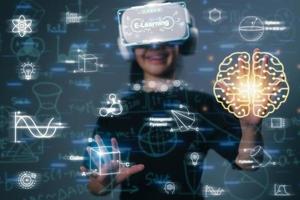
(213,191)
(26,122)
(281,190)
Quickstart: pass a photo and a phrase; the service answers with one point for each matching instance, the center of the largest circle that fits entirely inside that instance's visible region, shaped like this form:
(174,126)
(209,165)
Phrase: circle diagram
(27,180)
(251,28)
(155,141)
(246,185)
(246,85)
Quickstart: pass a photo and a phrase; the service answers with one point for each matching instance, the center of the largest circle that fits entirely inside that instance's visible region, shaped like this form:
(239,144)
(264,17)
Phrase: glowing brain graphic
(246,85)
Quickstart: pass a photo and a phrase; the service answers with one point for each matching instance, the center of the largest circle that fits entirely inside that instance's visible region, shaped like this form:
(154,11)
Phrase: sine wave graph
(37,131)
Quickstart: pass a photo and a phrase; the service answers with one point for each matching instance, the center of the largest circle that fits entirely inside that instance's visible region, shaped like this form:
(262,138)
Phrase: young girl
(162,128)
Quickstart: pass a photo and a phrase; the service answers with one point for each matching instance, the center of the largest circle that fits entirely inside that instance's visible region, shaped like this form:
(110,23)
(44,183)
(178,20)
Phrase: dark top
(156,131)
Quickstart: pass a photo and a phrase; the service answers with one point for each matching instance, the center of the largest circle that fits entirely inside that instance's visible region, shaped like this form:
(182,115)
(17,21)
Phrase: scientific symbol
(38,131)
(47,94)
(88,63)
(106,159)
(115,107)
(251,28)
(258,153)
(28,70)
(194,156)
(278,123)
(212,191)
(156,141)
(27,180)
(184,119)
(22,26)
(215,15)
(73,18)
(258,181)
(27,49)
(281,190)
(170,187)
(257,88)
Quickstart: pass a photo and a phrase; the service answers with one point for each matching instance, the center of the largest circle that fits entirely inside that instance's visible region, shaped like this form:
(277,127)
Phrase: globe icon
(251,28)
(156,141)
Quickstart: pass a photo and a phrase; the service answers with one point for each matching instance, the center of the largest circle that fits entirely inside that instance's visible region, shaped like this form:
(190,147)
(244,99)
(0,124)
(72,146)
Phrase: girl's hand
(98,184)
(255,90)
(251,119)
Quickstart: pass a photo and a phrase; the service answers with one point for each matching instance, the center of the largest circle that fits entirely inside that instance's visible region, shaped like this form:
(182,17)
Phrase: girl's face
(157,62)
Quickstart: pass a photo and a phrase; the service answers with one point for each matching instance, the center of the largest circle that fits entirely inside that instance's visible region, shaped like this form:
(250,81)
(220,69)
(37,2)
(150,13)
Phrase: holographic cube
(105,160)
(87,63)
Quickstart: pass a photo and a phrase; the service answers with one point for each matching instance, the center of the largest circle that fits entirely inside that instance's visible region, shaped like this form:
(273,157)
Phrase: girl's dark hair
(136,73)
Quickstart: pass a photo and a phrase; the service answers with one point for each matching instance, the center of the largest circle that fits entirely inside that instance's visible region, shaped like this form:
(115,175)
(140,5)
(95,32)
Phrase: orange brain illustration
(246,85)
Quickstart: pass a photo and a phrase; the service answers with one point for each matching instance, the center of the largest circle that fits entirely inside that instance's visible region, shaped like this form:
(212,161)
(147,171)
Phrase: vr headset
(155,24)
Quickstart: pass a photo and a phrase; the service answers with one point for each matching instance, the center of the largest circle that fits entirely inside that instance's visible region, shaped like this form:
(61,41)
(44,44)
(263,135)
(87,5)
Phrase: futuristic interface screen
(123,99)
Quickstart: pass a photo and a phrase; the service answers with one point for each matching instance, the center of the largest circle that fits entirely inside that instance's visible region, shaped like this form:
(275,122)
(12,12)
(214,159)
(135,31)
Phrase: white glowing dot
(137,87)
(177,83)
(152,84)
(163,88)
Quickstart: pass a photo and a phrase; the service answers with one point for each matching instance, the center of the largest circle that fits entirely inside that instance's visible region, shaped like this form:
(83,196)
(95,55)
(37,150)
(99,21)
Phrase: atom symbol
(22,26)
(27,180)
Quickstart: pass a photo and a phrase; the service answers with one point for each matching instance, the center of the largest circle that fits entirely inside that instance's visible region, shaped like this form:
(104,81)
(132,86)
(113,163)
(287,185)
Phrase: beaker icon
(47,94)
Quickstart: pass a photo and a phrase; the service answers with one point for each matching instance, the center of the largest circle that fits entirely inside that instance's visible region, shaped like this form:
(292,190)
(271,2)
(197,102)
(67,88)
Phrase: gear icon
(255,86)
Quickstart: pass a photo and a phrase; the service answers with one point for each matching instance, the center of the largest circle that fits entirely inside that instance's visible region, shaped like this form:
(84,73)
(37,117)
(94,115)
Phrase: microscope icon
(115,107)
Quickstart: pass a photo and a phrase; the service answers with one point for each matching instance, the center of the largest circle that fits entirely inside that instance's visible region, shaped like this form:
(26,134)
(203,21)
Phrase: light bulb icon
(28,69)
(194,158)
